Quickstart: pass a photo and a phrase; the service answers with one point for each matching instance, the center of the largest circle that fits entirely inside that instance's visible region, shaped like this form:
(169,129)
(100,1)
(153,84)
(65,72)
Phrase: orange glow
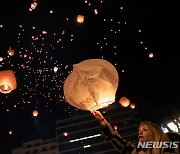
(132,106)
(10,52)
(65,133)
(7,81)
(35,113)
(80,18)
(124,101)
(151,55)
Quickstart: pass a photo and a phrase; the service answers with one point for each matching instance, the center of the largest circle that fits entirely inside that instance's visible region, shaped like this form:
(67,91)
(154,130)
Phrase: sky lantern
(151,55)
(115,127)
(132,106)
(10,52)
(10,132)
(55,69)
(80,18)
(124,101)
(91,85)
(7,81)
(35,113)
(33,5)
(65,133)
(1,59)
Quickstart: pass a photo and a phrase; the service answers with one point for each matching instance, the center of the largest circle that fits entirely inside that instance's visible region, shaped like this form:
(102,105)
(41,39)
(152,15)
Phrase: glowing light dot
(115,127)
(80,18)
(132,106)
(1,59)
(95,11)
(10,132)
(44,32)
(65,133)
(151,55)
(55,69)
(35,113)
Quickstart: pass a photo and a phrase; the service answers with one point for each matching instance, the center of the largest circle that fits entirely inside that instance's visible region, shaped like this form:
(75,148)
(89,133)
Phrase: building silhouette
(82,134)
(39,146)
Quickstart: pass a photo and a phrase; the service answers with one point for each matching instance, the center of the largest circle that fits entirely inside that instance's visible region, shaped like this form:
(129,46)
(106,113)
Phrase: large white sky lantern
(91,85)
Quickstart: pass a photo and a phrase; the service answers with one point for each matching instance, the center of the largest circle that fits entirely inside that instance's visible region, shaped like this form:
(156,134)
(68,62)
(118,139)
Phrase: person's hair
(158,134)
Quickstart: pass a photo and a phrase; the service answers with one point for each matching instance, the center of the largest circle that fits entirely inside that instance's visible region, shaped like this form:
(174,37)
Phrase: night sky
(49,37)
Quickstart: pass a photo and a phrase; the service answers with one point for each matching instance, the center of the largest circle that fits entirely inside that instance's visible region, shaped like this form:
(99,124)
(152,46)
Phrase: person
(148,131)
(174,137)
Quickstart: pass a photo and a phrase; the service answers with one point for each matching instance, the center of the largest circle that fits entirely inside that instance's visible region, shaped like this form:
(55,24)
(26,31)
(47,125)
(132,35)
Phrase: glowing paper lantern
(65,133)
(7,81)
(132,106)
(91,85)
(124,101)
(80,18)
(10,132)
(115,127)
(33,5)
(10,52)
(35,113)
(151,55)
(1,59)
(55,69)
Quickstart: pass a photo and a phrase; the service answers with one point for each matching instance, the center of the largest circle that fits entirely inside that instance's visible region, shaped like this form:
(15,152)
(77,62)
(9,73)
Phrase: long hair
(158,135)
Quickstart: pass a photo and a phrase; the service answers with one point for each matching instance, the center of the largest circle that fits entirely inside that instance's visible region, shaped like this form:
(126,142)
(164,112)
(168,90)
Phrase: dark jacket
(124,147)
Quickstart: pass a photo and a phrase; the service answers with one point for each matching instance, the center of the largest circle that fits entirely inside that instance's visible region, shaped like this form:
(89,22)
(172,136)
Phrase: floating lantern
(151,55)
(124,101)
(7,81)
(80,18)
(1,59)
(115,127)
(132,106)
(65,133)
(91,85)
(33,5)
(35,113)
(55,69)
(10,52)
(10,132)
